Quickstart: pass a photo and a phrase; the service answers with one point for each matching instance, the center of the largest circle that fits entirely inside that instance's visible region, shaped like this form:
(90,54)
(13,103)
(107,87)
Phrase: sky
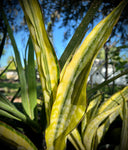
(58,42)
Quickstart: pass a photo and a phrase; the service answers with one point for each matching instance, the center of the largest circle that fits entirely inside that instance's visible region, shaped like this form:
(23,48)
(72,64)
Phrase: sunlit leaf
(70,104)
(79,34)
(93,139)
(114,101)
(46,59)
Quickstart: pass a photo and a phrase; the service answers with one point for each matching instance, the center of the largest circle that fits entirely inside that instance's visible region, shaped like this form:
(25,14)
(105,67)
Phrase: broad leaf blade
(15,138)
(113,102)
(70,104)
(46,58)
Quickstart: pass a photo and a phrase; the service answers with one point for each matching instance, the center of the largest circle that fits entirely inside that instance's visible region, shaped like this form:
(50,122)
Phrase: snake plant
(65,106)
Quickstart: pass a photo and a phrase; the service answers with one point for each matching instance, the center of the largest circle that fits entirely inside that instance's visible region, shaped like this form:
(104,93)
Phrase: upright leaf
(26,102)
(79,33)
(45,55)
(31,79)
(70,104)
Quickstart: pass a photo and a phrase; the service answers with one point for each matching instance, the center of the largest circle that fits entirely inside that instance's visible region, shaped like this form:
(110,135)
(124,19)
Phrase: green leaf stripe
(124,132)
(79,33)
(75,138)
(45,55)
(15,138)
(26,102)
(93,126)
(8,109)
(68,109)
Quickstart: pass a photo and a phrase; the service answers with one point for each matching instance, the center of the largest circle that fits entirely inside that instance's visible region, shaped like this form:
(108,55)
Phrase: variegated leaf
(29,105)
(114,100)
(93,126)
(79,34)
(104,127)
(75,138)
(46,59)
(70,104)
(91,111)
(15,138)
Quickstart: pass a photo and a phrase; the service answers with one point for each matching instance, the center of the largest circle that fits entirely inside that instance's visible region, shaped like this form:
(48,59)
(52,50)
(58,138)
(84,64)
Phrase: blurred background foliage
(71,12)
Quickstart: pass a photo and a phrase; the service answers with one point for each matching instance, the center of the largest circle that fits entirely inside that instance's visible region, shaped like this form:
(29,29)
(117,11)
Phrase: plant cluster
(66,111)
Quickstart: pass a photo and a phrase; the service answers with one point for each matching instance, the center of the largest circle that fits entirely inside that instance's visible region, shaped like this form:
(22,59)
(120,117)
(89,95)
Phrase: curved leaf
(70,104)
(45,55)
(91,112)
(114,100)
(75,138)
(93,126)
(104,127)
(8,115)
(8,109)
(124,133)
(15,138)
